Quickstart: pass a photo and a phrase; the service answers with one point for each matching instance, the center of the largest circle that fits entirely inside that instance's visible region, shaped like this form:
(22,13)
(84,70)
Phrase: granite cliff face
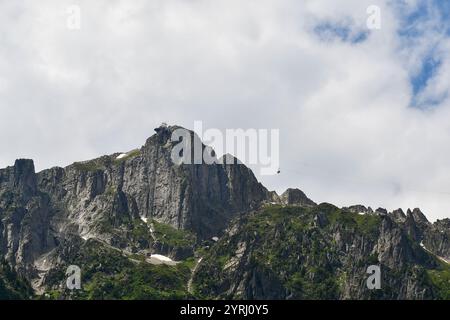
(216,220)
(146,183)
(25,214)
(102,199)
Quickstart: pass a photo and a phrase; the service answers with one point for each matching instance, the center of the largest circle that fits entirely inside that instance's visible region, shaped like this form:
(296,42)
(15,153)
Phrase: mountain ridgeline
(142,227)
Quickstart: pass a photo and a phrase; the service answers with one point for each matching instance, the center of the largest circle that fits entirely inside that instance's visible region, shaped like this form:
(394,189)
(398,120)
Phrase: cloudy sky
(364,114)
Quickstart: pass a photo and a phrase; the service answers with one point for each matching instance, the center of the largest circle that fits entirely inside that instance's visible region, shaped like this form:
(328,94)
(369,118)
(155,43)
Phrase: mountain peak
(21,177)
(293,196)
(417,215)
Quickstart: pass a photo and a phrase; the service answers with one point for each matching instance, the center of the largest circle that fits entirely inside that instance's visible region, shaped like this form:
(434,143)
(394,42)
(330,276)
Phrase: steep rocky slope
(320,252)
(110,216)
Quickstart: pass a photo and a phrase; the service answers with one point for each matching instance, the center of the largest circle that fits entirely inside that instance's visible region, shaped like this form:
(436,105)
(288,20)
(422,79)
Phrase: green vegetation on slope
(130,155)
(440,278)
(109,274)
(172,237)
(12,287)
(285,250)
(92,165)
(140,281)
(104,162)
(300,253)
(366,224)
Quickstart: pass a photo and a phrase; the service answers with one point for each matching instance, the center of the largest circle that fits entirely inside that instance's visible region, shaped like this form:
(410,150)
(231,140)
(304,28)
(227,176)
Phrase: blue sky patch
(428,19)
(430,66)
(330,32)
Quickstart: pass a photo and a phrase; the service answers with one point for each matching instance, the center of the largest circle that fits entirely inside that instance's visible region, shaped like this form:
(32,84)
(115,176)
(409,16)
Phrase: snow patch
(444,260)
(85,235)
(122,155)
(161,257)
(144,219)
(439,257)
(215,239)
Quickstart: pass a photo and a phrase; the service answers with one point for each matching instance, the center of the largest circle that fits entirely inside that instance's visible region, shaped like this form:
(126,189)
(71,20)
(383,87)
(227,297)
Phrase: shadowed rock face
(21,178)
(437,238)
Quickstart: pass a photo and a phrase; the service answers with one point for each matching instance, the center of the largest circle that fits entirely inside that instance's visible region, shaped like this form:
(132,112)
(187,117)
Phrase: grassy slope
(111,274)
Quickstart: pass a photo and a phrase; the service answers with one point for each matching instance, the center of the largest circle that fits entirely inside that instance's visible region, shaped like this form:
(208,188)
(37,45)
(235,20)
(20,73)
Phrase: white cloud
(348,133)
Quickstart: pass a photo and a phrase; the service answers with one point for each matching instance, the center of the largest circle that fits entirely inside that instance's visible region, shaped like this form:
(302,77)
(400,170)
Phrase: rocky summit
(139,226)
